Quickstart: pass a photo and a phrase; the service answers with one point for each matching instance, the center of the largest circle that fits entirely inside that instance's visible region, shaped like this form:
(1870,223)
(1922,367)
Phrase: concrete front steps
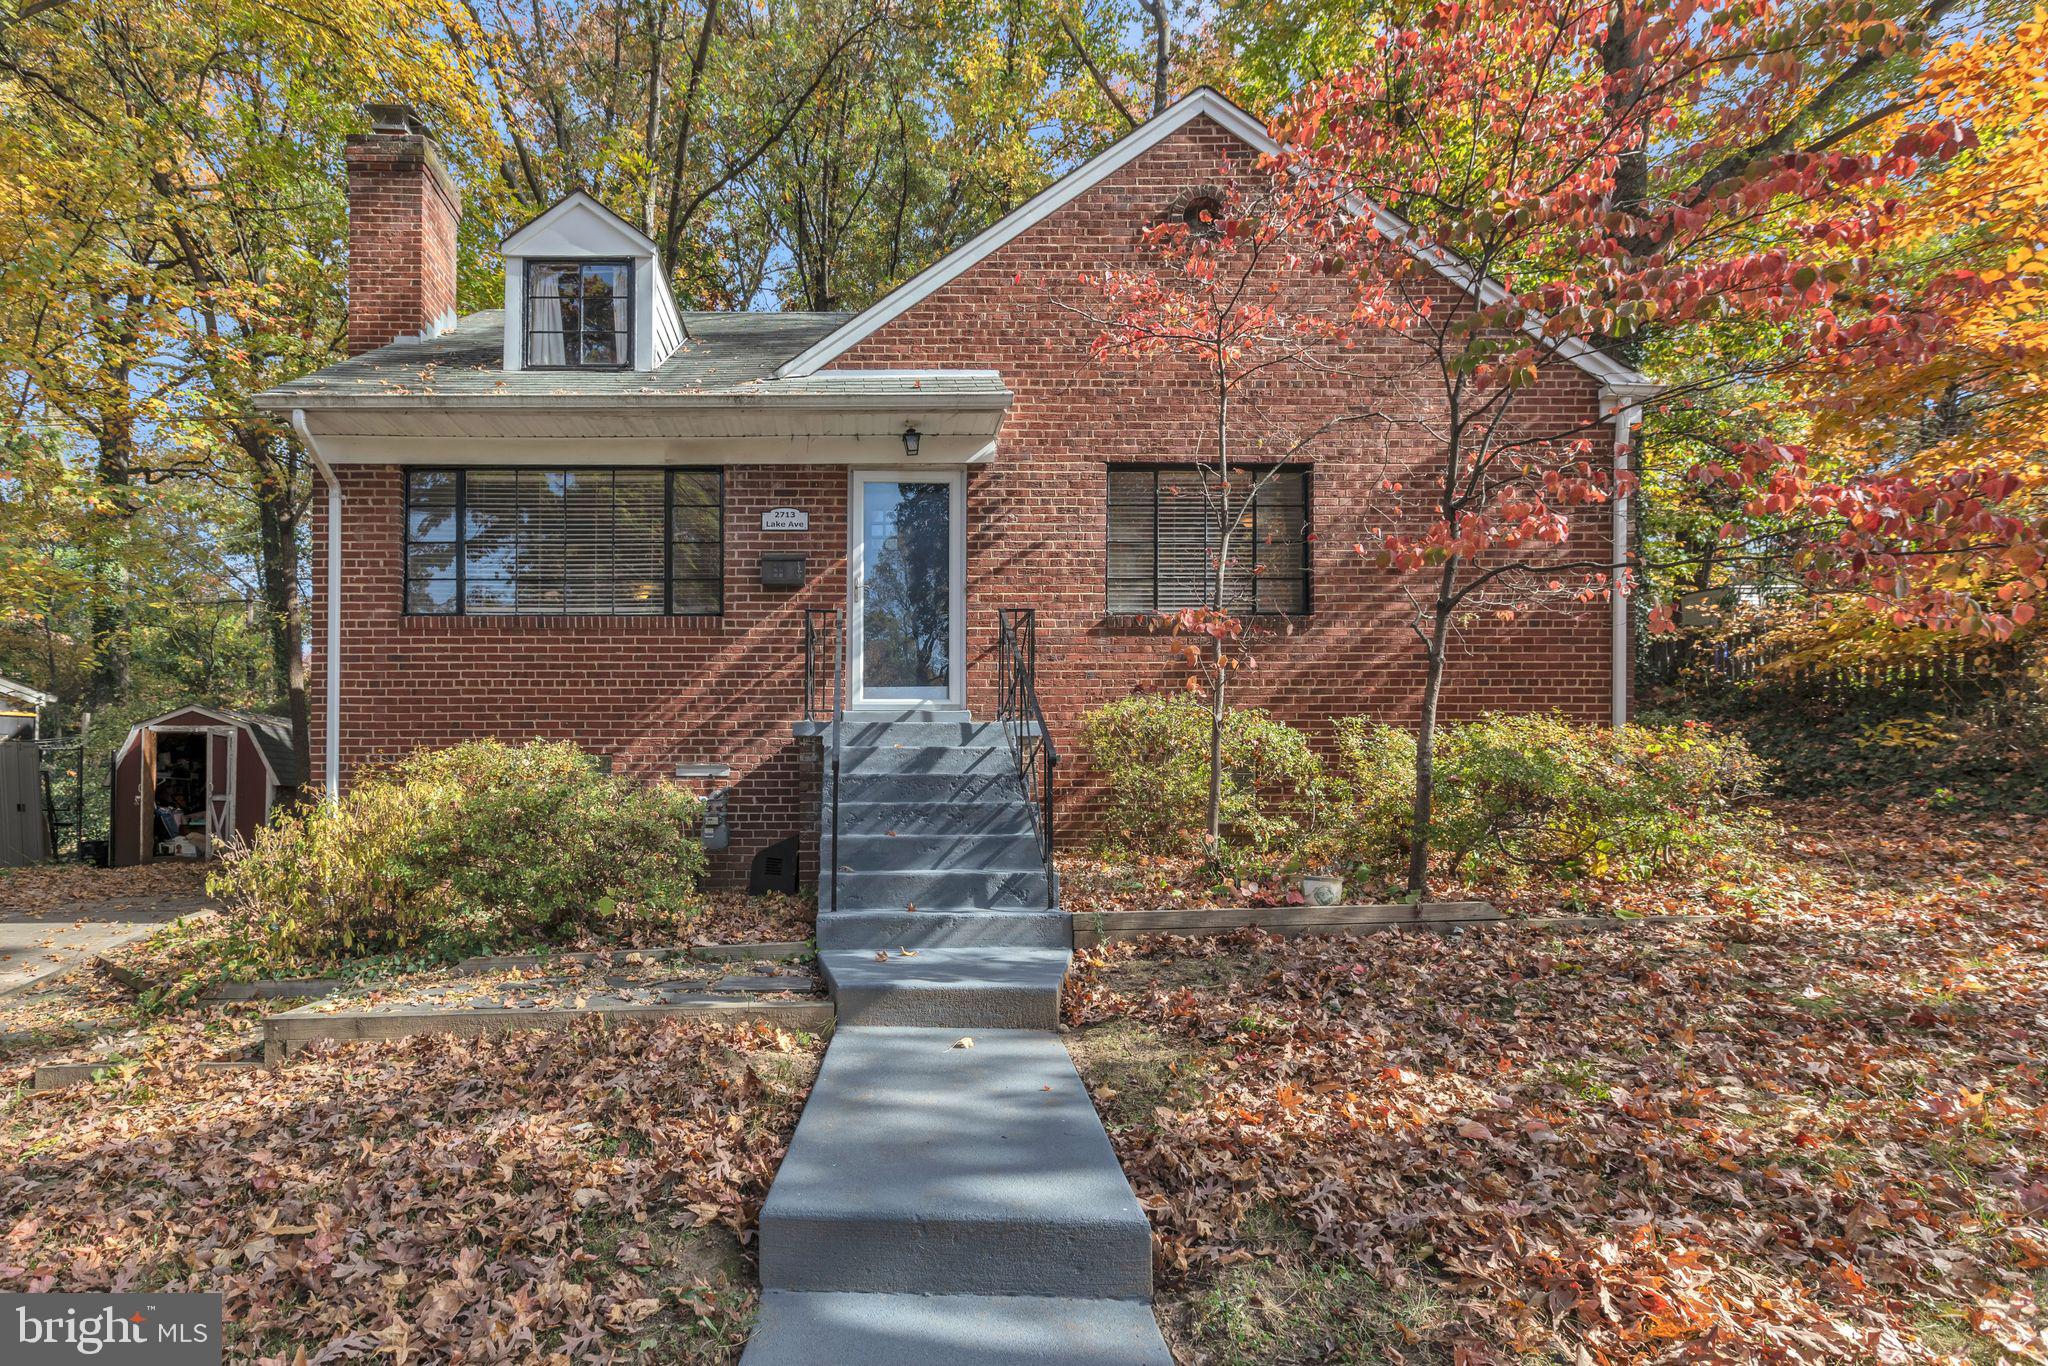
(949,1195)
(849,1329)
(959,988)
(922,1166)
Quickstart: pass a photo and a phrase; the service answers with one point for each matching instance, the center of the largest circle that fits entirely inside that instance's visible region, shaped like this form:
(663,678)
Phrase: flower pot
(1322,890)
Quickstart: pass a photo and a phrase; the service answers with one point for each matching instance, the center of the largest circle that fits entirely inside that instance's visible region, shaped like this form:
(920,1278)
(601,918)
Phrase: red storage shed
(185,781)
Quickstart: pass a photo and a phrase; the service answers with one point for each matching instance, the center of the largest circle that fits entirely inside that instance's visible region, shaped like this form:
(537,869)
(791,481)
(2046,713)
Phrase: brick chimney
(402,212)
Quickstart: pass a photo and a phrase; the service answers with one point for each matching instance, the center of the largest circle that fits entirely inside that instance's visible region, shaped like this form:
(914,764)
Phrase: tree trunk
(1216,714)
(284,610)
(1425,734)
(109,679)
(1162,52)
(650,135)
(1218,657)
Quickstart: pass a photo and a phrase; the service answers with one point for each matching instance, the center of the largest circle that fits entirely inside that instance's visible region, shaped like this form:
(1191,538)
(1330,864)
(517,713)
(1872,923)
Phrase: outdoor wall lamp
(910,439)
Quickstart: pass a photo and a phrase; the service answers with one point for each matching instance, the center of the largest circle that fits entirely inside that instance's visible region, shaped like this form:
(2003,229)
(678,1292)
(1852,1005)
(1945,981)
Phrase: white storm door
(907,584)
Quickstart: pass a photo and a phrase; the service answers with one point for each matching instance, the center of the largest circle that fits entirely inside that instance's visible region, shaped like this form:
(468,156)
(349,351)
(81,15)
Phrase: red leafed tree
(1506,190)
(1565,179)
(1223,301)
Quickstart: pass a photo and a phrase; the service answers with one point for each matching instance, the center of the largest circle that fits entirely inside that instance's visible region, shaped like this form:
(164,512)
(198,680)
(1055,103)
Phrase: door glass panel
(906,616)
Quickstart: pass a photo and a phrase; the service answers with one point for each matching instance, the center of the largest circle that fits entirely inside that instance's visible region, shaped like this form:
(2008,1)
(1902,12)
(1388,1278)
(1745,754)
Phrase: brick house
(592,517)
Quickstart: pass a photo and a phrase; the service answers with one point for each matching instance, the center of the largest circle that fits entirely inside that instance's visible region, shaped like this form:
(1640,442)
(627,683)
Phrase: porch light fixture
(910,439)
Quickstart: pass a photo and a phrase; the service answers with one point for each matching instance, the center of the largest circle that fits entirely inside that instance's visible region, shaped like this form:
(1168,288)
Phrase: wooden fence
(1731,662)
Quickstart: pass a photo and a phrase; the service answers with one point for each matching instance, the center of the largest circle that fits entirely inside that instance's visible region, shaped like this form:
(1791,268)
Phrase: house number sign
(785,519)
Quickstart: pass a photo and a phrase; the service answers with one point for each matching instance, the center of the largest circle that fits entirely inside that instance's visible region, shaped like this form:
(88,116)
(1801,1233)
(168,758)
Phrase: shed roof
(272,734)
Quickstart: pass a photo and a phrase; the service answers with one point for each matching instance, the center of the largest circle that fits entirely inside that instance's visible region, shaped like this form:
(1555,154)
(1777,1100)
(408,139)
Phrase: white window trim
(856,560)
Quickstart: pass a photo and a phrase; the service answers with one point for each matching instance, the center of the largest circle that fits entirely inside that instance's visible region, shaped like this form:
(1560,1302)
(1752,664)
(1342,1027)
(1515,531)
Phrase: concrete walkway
(41,947)
(950,1195)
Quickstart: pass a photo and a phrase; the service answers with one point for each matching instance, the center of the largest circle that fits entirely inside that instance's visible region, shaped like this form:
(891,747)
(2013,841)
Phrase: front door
(907,551)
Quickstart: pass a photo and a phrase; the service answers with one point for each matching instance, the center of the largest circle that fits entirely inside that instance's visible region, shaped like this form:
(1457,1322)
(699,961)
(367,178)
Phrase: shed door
(220,788)
(145,801)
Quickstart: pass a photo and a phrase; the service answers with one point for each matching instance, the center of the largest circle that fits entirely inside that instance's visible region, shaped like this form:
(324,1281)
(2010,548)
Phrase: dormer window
(584,290)
(579,315)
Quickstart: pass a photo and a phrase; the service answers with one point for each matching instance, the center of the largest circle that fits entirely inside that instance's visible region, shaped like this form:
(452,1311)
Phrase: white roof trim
(22,691)
(1202,102)
(514,245)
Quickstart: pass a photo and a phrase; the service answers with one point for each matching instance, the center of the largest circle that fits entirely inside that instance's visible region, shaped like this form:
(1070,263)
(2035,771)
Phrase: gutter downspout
(332,757)
(1627,414)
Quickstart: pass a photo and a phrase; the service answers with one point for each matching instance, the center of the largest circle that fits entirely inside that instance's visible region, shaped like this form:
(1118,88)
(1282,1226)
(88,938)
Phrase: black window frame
(625,361)
(461,473)
(1157,468)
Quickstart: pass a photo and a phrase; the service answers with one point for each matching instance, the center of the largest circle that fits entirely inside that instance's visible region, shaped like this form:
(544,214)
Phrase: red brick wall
(651,692)
(1037,514)
(402,212)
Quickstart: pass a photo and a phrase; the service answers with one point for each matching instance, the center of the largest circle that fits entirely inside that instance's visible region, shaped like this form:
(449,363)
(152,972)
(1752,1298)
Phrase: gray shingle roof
(726,353)
(273,735)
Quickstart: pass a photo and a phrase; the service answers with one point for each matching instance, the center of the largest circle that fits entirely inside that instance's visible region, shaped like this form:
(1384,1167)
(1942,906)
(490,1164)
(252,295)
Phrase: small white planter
(1322,890)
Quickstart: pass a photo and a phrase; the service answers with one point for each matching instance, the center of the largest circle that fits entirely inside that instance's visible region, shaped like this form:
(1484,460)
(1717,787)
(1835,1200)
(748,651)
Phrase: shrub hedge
(1514,793)
(481,846)
(1153,752)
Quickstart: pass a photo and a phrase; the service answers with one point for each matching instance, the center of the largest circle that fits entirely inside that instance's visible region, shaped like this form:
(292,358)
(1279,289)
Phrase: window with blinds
(564,542)
(1165,534)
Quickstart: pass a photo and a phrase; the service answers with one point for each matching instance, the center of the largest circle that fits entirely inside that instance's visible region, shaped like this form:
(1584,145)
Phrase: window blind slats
(586,542)
(1166,540)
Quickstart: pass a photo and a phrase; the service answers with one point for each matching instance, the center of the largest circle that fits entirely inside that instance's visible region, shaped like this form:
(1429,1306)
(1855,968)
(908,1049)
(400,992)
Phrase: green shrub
(1522,793)
(1369,818)
(480,846)
(1153,751)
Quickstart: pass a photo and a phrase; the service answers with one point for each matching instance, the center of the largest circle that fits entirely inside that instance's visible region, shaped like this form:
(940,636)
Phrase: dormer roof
(577,225)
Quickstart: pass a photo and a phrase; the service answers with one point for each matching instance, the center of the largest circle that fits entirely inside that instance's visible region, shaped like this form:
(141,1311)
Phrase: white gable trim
(632,241)
(32,696)
(1200,103)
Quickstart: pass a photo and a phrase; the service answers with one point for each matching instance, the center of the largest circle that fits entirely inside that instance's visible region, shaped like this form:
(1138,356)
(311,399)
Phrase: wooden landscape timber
(1101,927)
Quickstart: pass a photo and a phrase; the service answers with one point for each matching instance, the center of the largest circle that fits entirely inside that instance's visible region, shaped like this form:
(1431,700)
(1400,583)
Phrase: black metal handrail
(825,634)
(1023,723)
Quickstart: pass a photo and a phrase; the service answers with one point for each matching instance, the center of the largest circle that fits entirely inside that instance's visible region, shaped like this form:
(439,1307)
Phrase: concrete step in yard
(1010,817)
(998,783)
(955,734)
(949,1195)
(851,1329)
(956,988)
(954,852)
(938,889)
(1024,929)
(867,759)
(926,1167)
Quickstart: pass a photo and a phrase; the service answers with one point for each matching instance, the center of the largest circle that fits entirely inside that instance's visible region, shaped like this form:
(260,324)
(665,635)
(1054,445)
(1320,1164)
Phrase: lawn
(529,1197)
(1813,1127)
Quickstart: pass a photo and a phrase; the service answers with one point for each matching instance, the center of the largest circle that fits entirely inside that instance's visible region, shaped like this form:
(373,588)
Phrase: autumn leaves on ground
(1817,1131)
(523,1198)
(1814,1130)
